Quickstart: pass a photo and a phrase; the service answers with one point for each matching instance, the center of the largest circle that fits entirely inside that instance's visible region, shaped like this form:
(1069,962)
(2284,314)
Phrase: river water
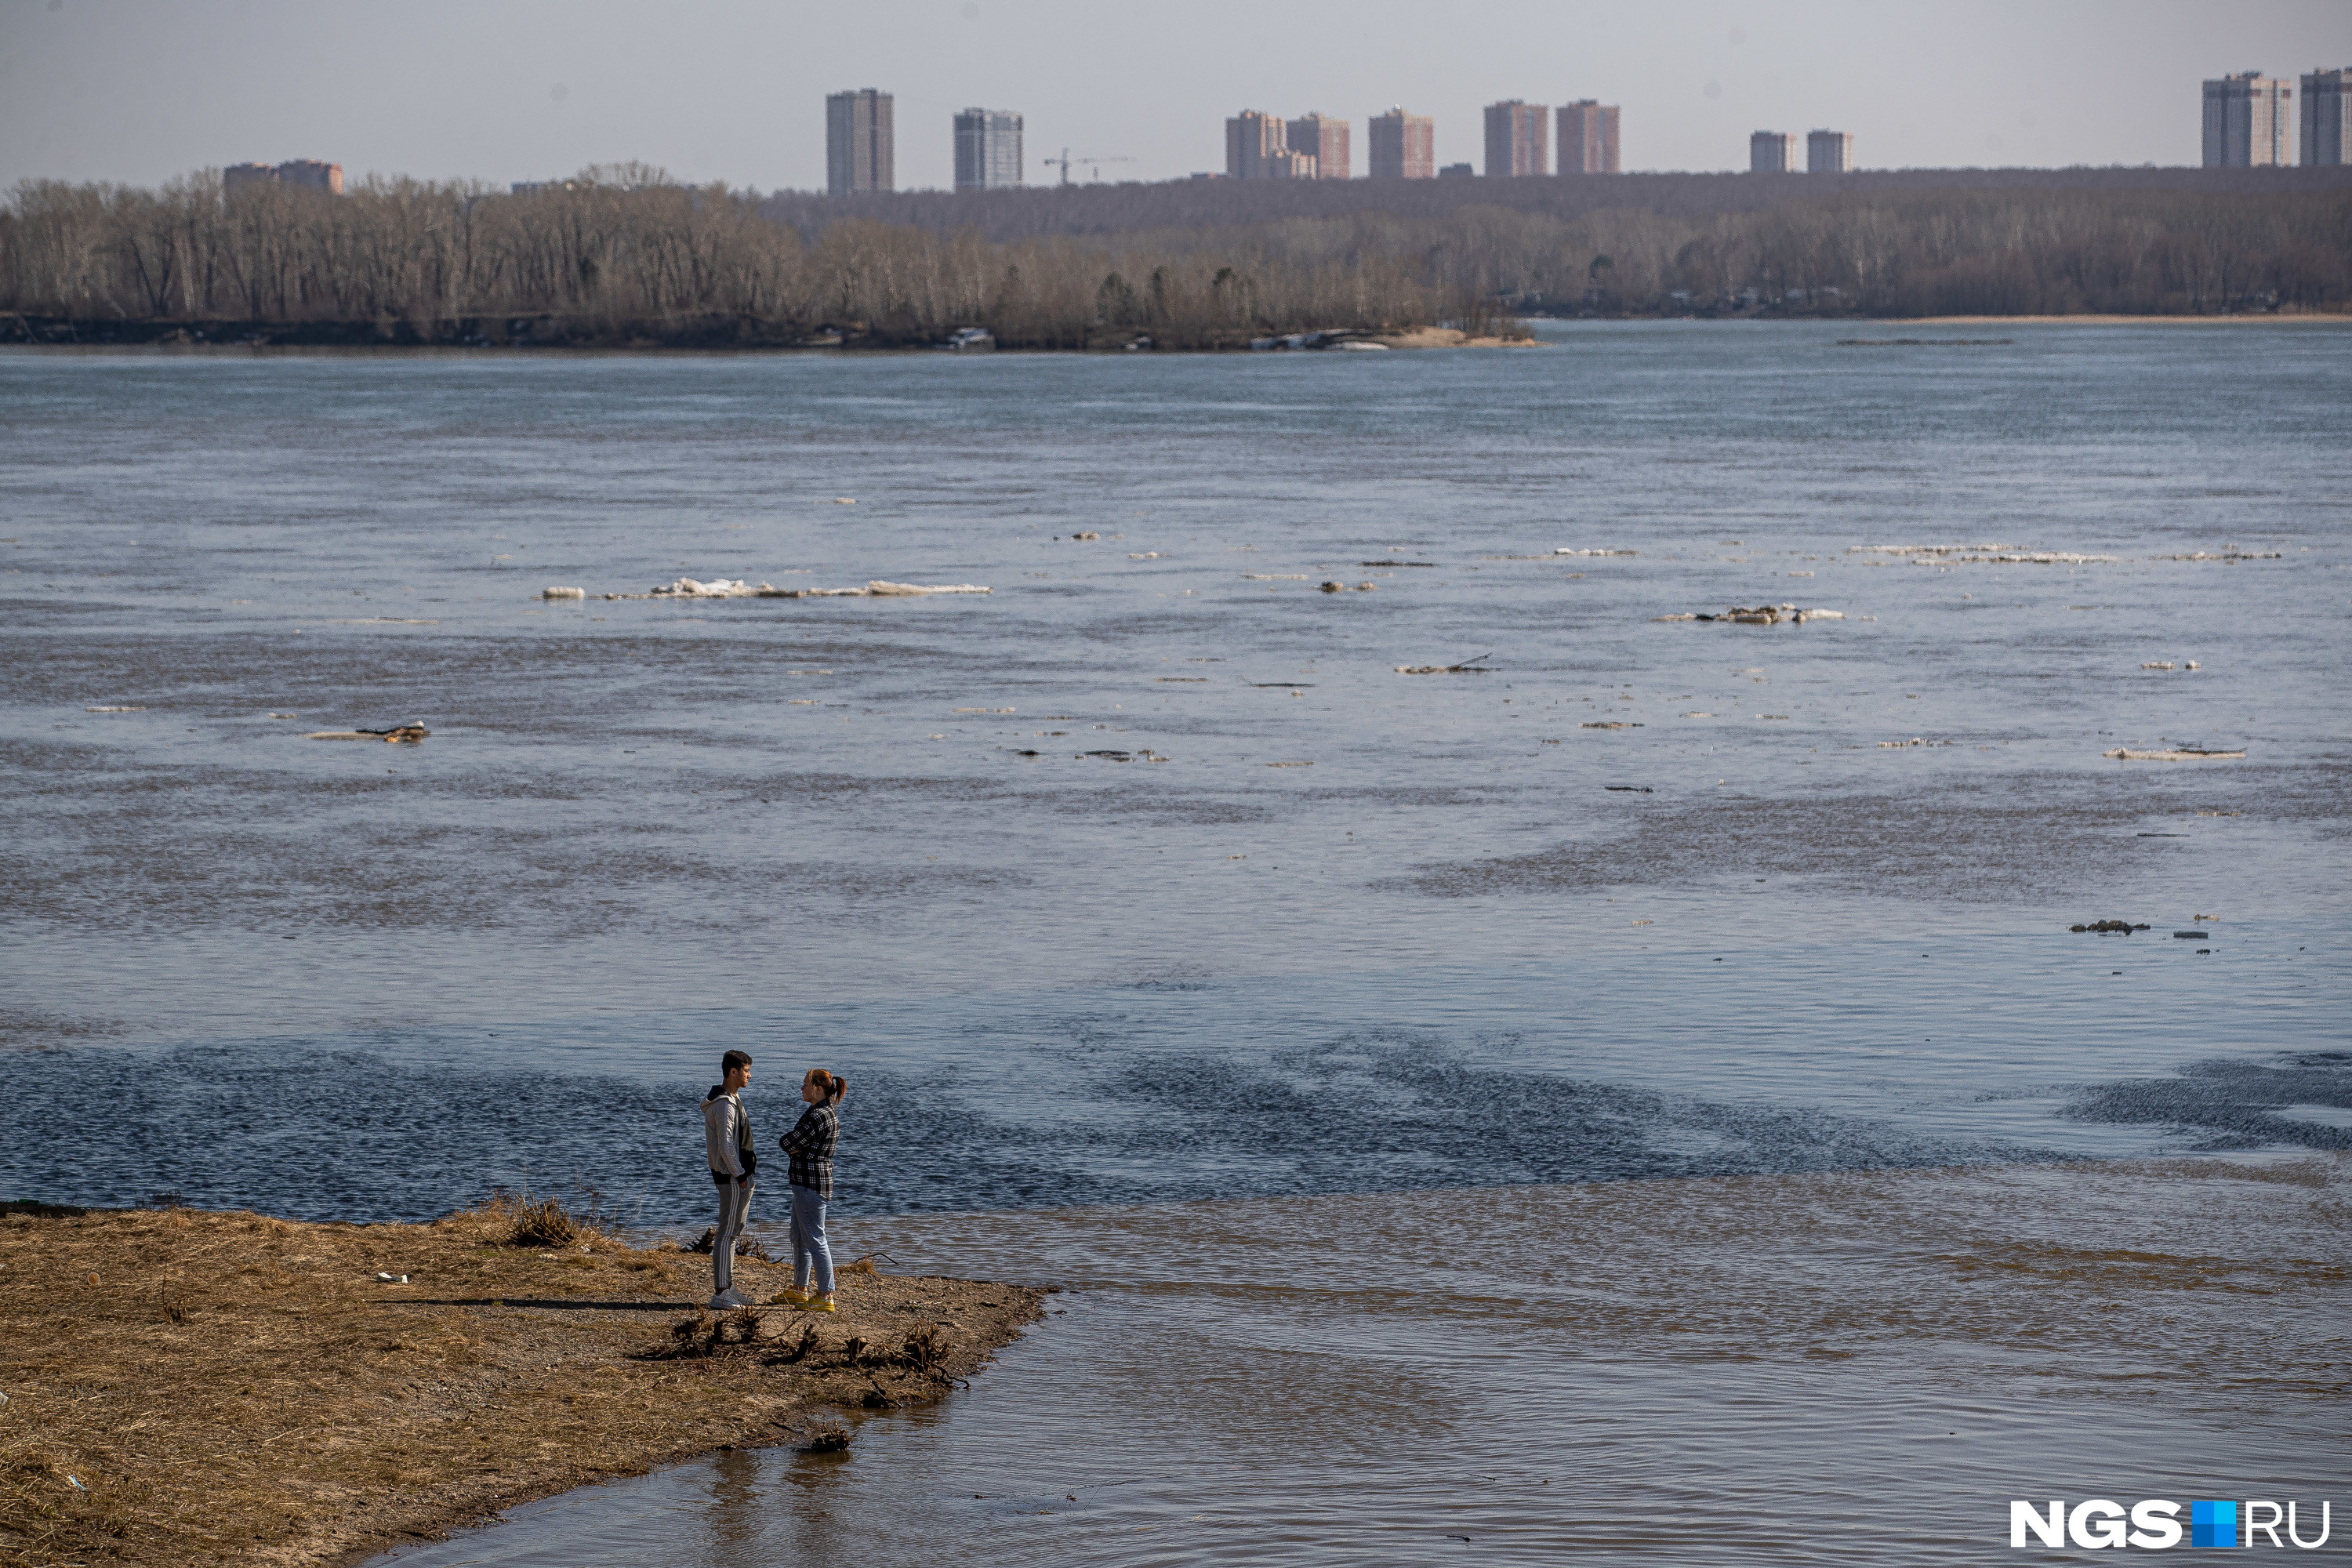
(1642,1097)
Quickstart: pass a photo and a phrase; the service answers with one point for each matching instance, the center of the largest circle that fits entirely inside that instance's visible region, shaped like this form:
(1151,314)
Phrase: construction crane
(1065,160)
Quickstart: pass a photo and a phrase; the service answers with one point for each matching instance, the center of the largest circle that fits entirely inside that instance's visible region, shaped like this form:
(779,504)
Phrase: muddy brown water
(1264,1046)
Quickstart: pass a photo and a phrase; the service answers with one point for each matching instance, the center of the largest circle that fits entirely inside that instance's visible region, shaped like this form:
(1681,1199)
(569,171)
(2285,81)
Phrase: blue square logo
(2212,1524)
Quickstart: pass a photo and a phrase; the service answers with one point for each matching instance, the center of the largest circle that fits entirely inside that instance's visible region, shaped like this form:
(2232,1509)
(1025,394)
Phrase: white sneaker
(725,1301)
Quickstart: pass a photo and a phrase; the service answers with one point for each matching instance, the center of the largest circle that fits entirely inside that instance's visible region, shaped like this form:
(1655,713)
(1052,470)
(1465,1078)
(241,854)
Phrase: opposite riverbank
(729,334)
(194,1387)
(699,334)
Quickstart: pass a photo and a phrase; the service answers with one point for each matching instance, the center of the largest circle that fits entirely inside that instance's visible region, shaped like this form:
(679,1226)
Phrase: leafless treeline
(2029,252)
(1129,207)
(623,255)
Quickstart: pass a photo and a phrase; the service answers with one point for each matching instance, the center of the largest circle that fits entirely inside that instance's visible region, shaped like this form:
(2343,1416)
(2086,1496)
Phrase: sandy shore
(191,1387)
(1449,338)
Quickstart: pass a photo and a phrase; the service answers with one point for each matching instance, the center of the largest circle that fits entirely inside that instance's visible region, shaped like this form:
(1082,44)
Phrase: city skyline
(115,90)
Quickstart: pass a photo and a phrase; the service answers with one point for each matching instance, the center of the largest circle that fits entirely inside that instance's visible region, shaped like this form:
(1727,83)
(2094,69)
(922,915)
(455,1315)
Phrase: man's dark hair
(734,1059)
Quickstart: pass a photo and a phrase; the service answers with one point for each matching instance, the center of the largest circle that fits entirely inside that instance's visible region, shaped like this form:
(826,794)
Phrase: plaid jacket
(810,1144)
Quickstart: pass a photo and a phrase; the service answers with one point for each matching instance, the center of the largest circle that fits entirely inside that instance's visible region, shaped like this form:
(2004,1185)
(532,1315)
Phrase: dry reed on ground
(745,1246)
(188,1387)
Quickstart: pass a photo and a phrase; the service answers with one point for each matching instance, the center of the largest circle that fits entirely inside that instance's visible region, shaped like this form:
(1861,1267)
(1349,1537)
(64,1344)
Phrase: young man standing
(727,1138)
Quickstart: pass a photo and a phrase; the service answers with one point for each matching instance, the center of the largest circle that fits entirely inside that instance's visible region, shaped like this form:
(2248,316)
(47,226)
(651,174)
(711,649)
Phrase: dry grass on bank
(189,1387)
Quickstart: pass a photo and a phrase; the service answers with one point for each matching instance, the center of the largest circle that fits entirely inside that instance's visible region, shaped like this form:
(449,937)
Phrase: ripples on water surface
(1659,1370)
(1360,933)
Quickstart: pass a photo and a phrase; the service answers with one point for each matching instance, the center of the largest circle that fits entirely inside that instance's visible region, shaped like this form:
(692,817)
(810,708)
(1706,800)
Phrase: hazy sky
(138,90)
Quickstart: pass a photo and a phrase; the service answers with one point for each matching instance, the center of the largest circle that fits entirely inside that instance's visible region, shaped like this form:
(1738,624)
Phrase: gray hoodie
(726,1136)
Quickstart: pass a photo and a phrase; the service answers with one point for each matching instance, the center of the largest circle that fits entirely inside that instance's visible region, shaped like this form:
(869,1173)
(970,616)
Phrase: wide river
(1629,1089)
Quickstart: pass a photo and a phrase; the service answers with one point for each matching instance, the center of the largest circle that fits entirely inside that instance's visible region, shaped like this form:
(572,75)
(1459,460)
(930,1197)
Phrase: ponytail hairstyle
(833,1084)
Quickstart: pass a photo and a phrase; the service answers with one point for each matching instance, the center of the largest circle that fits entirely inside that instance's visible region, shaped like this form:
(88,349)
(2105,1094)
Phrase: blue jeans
(810,1251)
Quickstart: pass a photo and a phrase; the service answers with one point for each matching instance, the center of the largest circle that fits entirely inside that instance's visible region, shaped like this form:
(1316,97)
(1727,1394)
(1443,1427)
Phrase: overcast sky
(138,90)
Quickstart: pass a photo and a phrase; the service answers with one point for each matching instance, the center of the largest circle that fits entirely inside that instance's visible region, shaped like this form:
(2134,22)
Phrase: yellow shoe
(815,1303)
(792,1296)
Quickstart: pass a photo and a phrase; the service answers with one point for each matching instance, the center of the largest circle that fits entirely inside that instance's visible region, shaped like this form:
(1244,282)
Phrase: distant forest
(1124,208)
(624,255)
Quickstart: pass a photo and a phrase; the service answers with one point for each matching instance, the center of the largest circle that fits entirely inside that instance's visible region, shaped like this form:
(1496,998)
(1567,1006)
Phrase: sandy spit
(1448,338)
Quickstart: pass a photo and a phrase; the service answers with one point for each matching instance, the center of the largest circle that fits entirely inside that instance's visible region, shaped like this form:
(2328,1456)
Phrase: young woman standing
(810,1144)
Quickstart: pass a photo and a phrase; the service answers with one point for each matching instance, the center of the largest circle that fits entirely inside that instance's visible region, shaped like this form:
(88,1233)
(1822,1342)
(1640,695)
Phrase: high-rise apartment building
(312,175)
(1517,144)
(1323,138)
(861,151)
(2326,134)
(1402,146)
(1588,138)
(1829,153)
(306,173)
(1287,163)
(988,150)
(2246,120)
(1251,139)
(1772,152)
